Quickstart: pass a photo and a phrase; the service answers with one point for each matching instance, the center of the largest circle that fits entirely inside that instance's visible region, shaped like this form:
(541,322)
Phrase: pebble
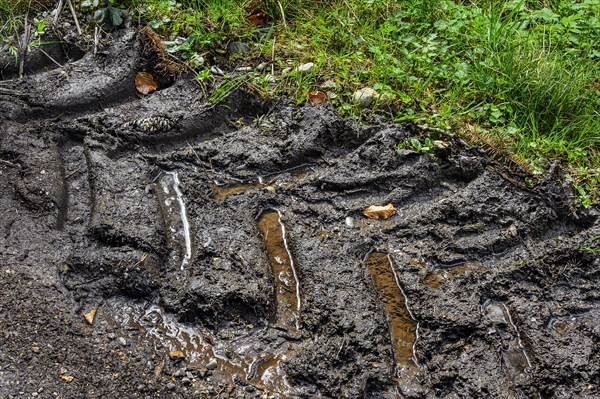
(212,364)
(261,67)
(329,84)
(122,341)
(350,222)
(365,97)
(112,335)
(170,386)
(180,372)
(215,70)
(186,381)
(305,67)
(243,69)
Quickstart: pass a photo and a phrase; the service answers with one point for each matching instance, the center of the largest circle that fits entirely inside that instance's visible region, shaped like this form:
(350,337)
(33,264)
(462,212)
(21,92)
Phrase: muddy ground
(224,250)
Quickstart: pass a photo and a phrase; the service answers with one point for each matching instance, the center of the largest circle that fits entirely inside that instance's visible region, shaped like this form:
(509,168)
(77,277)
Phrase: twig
(74,17)
(59,8)
(282,14)
(8,163)
(96,39)
(273,58)
(24,47)
(9,92)
(51,59)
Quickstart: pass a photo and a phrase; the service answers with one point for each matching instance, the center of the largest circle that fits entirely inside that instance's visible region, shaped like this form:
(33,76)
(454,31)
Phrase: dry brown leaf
(258,18)
(89,316)
(318,97)
(144,83)
(176,355)
(67,378)
(376,212)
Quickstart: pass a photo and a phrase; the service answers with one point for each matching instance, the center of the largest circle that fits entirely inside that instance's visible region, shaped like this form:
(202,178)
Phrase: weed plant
(520,77)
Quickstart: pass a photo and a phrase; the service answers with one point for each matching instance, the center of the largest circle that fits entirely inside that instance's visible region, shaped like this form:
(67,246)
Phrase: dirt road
(224,250)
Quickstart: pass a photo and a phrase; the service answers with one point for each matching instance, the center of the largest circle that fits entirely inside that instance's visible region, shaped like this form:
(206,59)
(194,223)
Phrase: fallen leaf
(257,18)
(67,378)
(144,83)
(318,97)
(176,355)
(376,212)
(89,316)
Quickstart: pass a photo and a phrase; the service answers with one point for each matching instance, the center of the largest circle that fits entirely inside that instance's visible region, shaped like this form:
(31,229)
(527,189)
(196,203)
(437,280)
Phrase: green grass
(521,78)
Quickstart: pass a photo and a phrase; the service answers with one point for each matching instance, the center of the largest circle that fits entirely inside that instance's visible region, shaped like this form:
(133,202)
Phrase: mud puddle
(404,328)
(287,285)
(223,188)
(175,215)
(439,277)
(514,354)
(232,358)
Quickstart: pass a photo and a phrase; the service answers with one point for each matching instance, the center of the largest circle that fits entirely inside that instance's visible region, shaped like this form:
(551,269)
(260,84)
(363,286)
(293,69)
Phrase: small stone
(186,381)
(365,97)
(177,355)
(243,69)
(212,364)
(179,373)
(305,67)
(112,335)
(170,386)
(215,70)
(270,189)
(329,84)
(122,341)
(350,222)
(261,67)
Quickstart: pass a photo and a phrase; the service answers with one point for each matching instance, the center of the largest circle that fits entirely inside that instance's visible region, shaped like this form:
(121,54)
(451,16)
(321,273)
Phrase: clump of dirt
(225,251)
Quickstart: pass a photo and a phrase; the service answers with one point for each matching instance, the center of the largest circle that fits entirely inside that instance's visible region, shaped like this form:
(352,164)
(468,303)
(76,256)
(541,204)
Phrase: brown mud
(225,251)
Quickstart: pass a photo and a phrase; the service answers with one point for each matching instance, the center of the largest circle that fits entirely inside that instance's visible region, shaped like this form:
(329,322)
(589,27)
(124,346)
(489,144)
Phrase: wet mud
(224,249)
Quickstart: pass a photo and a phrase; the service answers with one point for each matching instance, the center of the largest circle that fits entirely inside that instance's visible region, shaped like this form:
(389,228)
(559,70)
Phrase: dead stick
(273,58)
(74,17)
(51,59)
(96,39)
(24,47)
(282,14)
(59,8)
